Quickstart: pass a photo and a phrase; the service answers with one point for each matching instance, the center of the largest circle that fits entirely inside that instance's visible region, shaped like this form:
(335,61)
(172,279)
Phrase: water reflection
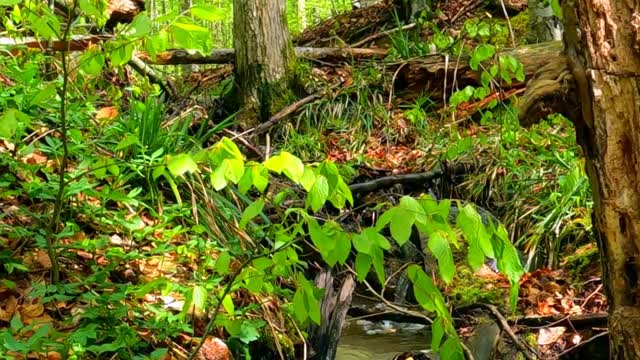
(380,340)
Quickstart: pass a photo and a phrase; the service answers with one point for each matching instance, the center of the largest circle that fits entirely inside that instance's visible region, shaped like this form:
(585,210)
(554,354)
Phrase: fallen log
(428,74)
(226,56)
(578,321)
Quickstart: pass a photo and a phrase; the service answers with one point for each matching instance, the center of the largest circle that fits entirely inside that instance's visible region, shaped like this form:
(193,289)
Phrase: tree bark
(602,40)
(543,24)
(264,55)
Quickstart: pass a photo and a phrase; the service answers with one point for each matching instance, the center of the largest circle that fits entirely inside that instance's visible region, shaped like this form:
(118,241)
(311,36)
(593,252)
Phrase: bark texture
(543,25)
(264,54)
(603,44)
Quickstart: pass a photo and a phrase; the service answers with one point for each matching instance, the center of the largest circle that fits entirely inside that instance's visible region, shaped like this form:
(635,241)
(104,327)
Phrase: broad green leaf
(191,27)
(207,12)
(439,247)
(249,331)
(299,307)
(318,194)
(402,224)
(128,140)
(180,164)
(377,258)
(253,210)
(286,163)
(320,239)
(92,62)
(481,53)
(88,8)
(452,348)
(362,243)
(9,2)
(45,95)
(121,54)
(223,262)
(8,123)
(362,265)
(470,222)
(461,96)
(342,248)
(308,179)
(437,333)
(411,206)
(198,300)
(227,303)
(140,26)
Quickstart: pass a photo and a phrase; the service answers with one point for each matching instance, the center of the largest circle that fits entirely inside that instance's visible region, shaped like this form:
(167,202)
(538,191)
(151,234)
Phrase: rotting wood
(334,305)
(405,179)
(578,321)
(143,69)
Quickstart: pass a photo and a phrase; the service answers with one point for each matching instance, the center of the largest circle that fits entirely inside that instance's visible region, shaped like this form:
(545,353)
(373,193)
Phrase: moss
(579,262)
(469,289)
(519,24)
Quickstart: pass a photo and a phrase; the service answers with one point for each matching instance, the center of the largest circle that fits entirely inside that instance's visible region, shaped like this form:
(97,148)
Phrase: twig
(596,291)
(390,304)
(506,15)
(381,34)
(145,70)
(288,110)
(245,142)
(523,347)
(584,342)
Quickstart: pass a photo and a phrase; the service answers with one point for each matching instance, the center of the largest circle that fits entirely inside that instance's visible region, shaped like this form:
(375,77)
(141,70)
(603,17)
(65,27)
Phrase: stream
(363,339)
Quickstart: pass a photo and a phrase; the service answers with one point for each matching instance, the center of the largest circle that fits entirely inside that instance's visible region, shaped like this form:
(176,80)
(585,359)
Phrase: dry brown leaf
(548,336)
(43,259)
(8,308)
(32,311)
(106,113)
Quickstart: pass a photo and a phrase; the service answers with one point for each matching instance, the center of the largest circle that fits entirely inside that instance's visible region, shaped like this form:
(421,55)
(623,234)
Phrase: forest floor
(378,118)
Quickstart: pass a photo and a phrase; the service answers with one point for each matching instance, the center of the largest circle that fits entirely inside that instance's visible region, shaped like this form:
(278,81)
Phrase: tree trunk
(409,10)
(264,56)
(602,40)
(543,25)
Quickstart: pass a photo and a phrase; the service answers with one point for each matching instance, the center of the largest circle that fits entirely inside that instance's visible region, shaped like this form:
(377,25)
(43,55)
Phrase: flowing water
(363,340)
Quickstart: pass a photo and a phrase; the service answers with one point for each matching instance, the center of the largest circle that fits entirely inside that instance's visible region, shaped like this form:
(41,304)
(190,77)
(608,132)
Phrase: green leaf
(128,140)
(198,300)
(286,163)
(452,349)
(470,222)
(208,12)
(253,210)
(140,26)
(158,354)
(342,249)
(8,124)
(223,262)
(377,258)
(299,307)
(362,266)
(180,164)
(320,239)
(121,54)
(249,331)
(439,247)
(44,96)
(227,303)
(411,206)
(437,333)
(481,53)
(88,8)
(92,62)
(461,96)
(16,322)
(318,194)
(9,2)
(308,178)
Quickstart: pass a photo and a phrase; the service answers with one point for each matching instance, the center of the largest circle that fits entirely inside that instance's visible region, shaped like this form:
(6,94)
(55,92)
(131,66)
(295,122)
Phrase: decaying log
(428,73)
(551,90)
(226,56)
(145,70)
(334,305)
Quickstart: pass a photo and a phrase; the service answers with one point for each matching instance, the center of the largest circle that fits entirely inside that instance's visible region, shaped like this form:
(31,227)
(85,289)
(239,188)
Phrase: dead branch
(145,70)
(587,320)
(388,181)
(381,34)
(526,351)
